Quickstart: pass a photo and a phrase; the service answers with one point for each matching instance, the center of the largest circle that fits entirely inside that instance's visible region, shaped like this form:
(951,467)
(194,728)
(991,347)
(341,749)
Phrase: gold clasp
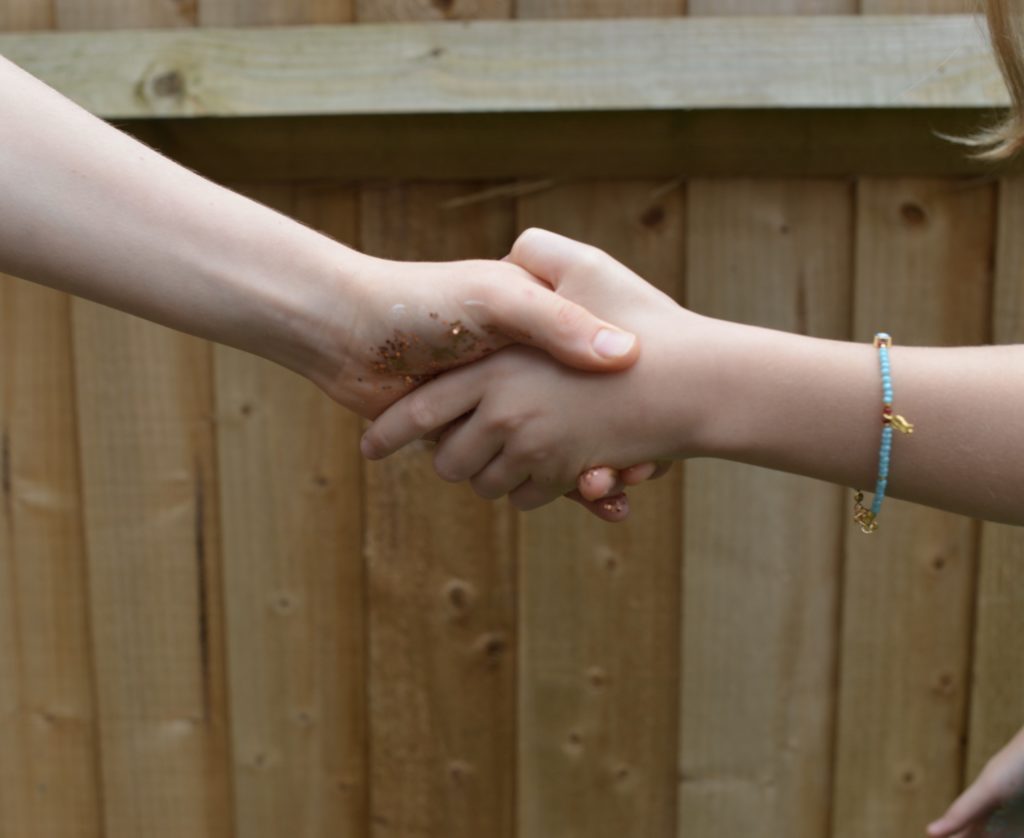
(899,423)
(863,516)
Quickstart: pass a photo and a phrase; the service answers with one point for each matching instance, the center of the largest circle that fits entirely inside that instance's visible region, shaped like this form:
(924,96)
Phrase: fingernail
(612,344)
(367,448)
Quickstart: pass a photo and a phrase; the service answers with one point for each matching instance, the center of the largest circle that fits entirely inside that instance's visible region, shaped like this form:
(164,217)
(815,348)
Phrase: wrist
(692,390)
(300,298)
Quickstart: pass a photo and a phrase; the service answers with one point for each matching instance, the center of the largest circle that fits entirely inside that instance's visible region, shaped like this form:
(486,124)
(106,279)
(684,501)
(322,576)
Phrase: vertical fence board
(762,547)
(124,14)
(440,587)
(401,10)
(48,780)
(274,12)
(23,15)
(599,8)
(924,250)
(997,689)
(599,604)
(290,478)
(154,567)
(918,7)
(773,7)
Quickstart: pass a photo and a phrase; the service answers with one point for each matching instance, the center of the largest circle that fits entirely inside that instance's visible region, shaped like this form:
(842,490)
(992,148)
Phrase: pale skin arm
(88,210)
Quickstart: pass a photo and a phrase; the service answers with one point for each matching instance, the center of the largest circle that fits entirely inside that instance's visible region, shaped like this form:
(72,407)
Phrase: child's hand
(993,806)
(529,426)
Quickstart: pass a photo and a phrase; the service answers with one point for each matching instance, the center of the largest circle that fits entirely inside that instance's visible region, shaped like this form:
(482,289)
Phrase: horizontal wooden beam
(556,146)
(529,66)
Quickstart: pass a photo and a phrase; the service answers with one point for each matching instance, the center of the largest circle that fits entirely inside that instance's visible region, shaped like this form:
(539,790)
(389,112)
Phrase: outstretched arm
(89,210)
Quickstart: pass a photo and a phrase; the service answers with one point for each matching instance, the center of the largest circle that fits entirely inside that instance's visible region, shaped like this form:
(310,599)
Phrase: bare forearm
(813,407)
(90,211)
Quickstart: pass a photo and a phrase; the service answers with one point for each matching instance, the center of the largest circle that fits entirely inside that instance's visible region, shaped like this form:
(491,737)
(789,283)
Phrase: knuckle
(591,258)
(525,241)
(421,414)
(505,424)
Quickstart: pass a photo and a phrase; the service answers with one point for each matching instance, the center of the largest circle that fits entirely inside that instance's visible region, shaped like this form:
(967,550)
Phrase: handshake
(515,370)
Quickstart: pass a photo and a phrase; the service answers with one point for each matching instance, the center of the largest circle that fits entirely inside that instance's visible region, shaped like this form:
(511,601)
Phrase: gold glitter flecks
(415,359)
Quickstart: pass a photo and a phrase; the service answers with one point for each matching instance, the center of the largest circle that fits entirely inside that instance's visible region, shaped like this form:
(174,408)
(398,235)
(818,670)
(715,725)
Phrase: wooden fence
(217,621)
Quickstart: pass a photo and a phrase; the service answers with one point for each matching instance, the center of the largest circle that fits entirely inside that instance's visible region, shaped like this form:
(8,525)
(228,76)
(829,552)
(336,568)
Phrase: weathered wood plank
(723,8)
(441,586)
(924,253)
(516,66)
(49,783)
(151,526)
(290,481)
(919,7)
(123,14)
(26,15)
(599,8)
(277,13)
(406,10)
(599,605)
(762,556)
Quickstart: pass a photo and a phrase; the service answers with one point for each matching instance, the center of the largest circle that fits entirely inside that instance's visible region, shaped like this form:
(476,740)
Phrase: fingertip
(595,483)
(638,474)
(615,346)
(615,509)
(368,447)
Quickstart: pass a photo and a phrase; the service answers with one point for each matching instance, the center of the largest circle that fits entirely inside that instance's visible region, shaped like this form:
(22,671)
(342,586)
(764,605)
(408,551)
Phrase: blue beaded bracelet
(868,518)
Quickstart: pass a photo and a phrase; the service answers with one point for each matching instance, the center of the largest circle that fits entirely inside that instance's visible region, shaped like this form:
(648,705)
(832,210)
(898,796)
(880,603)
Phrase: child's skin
(993,807)
(532,428)
(527,427)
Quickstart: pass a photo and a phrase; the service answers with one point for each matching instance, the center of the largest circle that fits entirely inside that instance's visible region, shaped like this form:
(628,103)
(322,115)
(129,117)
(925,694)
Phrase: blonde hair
(1006,32)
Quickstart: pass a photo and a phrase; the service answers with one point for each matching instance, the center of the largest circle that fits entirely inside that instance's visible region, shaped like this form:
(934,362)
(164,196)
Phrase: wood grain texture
(25,15)
(274,12)
(522,66)
(997,690)
(290,482)
(49,783)
(599,8)
(151,524)
(123,14)
(762,548)
(924,254)
(599,604)
(390,11)
(919,7)
(774,7)
(441,586)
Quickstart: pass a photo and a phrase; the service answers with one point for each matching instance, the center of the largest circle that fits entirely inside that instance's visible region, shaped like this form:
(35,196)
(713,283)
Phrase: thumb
(564,329)
(975,802)
(536,316)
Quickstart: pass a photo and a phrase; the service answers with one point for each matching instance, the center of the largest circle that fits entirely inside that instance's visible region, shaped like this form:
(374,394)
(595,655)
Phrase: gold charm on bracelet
(862,515)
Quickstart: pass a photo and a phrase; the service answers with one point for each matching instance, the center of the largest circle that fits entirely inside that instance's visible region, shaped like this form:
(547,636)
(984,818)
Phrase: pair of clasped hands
(523,381)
